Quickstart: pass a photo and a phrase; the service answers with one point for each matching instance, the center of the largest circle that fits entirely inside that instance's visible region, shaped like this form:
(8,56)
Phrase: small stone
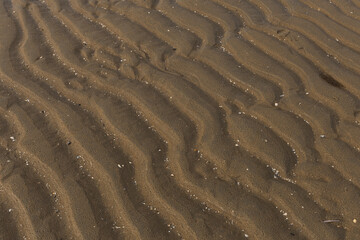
(354,220)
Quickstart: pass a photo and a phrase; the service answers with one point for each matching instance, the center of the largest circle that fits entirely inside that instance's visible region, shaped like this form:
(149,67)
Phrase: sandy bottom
(180,119)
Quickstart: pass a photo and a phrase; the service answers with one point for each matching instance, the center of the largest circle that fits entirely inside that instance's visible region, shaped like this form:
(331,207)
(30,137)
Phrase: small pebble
(354,220)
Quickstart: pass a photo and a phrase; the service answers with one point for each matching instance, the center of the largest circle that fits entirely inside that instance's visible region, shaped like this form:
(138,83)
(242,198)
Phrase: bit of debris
(331,221)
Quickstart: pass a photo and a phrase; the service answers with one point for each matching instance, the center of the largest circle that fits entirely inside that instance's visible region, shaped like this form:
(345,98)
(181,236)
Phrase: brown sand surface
(180,119)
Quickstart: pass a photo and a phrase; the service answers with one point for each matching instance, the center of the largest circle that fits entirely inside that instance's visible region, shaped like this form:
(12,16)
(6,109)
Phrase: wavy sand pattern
(180,119)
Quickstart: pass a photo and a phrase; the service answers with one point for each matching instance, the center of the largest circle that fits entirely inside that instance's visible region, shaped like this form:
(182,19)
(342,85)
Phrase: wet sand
(186,119)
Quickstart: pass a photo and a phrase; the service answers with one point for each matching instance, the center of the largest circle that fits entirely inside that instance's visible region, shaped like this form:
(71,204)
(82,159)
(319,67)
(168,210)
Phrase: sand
(180,119)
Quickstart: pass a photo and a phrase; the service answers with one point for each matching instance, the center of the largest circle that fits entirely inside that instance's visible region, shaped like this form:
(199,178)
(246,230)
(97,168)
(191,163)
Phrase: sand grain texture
(180,119)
